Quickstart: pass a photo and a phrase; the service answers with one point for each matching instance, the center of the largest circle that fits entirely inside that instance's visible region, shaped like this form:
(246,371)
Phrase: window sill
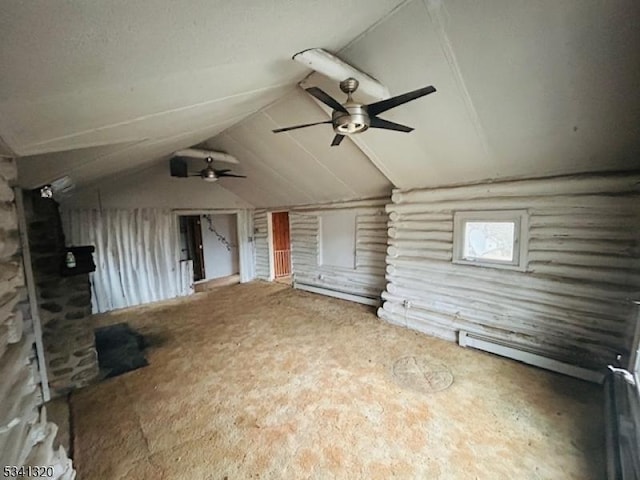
(500,266)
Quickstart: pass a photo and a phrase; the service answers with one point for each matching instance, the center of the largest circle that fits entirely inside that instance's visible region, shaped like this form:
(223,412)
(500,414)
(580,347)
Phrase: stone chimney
(64,301)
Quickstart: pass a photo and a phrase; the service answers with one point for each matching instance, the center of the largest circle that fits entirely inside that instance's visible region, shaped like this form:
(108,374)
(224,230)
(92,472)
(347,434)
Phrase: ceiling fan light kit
(208,175)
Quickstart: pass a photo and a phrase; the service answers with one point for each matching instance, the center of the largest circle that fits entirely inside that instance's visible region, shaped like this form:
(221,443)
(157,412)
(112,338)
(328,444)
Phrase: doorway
(281,244)
(210,242)
(191,247)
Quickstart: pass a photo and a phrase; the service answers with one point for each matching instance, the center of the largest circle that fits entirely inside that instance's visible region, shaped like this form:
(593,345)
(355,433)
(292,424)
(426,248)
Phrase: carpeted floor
(261,381)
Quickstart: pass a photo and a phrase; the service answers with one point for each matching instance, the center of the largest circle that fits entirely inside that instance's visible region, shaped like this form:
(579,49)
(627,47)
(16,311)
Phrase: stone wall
(65,302)
(26,437)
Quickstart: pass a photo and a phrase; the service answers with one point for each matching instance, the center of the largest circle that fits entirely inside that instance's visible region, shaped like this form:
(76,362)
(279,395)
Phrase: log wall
(573,301)
(261,242)
(365,280)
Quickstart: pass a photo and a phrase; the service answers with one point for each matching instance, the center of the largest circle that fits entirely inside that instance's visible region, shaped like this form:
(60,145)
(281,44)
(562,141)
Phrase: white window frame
(521,237)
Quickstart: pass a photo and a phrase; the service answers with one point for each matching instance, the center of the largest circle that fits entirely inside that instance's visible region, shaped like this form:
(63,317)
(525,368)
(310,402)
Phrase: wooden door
(194,243)
(281,244)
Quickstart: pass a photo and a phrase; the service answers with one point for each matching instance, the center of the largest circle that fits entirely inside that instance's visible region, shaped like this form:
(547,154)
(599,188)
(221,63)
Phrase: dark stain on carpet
(120,350)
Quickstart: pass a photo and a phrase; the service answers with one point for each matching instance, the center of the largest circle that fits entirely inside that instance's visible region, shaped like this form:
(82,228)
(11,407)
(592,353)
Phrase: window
(338,239)
(491,238)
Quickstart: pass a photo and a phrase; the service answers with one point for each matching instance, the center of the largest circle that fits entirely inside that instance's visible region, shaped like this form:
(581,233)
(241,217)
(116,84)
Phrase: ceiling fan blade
(326,99)
(389,103)
(231,175)
(387,125)
(220,172)
(336,140)
(286,129)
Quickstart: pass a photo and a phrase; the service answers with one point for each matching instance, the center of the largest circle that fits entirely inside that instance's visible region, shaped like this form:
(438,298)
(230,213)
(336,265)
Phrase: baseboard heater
(622,420)
(507,349)
(337,294)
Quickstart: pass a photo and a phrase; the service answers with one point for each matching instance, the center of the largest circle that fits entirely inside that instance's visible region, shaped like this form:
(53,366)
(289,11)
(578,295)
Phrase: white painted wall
(573,301)
(219,260)
(138,252)
(87,213)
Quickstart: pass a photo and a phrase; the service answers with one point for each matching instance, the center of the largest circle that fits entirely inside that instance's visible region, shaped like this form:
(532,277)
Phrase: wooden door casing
(194,240)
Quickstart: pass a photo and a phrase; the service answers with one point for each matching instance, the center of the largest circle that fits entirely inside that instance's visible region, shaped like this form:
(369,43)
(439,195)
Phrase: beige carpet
(261,381)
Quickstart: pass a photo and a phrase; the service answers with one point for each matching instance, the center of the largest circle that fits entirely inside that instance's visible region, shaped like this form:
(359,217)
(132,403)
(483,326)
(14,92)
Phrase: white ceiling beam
(204,154)
(331,66)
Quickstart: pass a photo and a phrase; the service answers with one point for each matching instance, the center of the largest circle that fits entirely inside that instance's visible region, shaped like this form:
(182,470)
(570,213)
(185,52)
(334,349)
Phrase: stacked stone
(65,303)
(68,334)
(26,438)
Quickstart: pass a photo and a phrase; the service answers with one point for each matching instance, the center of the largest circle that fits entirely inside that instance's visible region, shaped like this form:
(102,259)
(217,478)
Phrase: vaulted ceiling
(524,88)
(128,82)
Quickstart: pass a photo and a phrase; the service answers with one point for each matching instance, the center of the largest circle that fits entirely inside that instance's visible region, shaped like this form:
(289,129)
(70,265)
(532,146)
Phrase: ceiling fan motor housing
(208,174)
(355,121)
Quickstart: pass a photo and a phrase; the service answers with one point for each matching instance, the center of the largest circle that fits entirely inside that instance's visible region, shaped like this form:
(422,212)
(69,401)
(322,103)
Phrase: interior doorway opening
(280,245)
(191,244)
(209,241)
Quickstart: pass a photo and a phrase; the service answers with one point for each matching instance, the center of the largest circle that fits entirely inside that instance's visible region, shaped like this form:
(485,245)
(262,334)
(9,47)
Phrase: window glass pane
(489,240)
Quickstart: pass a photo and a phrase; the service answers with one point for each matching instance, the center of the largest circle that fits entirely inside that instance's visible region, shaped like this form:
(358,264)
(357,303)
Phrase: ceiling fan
(178,168)
(352,117)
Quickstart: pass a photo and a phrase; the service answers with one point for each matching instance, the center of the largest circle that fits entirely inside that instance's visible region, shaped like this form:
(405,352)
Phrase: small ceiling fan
(352,117)
(178,168)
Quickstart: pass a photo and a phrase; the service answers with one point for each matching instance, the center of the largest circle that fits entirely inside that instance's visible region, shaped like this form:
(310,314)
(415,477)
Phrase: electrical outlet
(407,304)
